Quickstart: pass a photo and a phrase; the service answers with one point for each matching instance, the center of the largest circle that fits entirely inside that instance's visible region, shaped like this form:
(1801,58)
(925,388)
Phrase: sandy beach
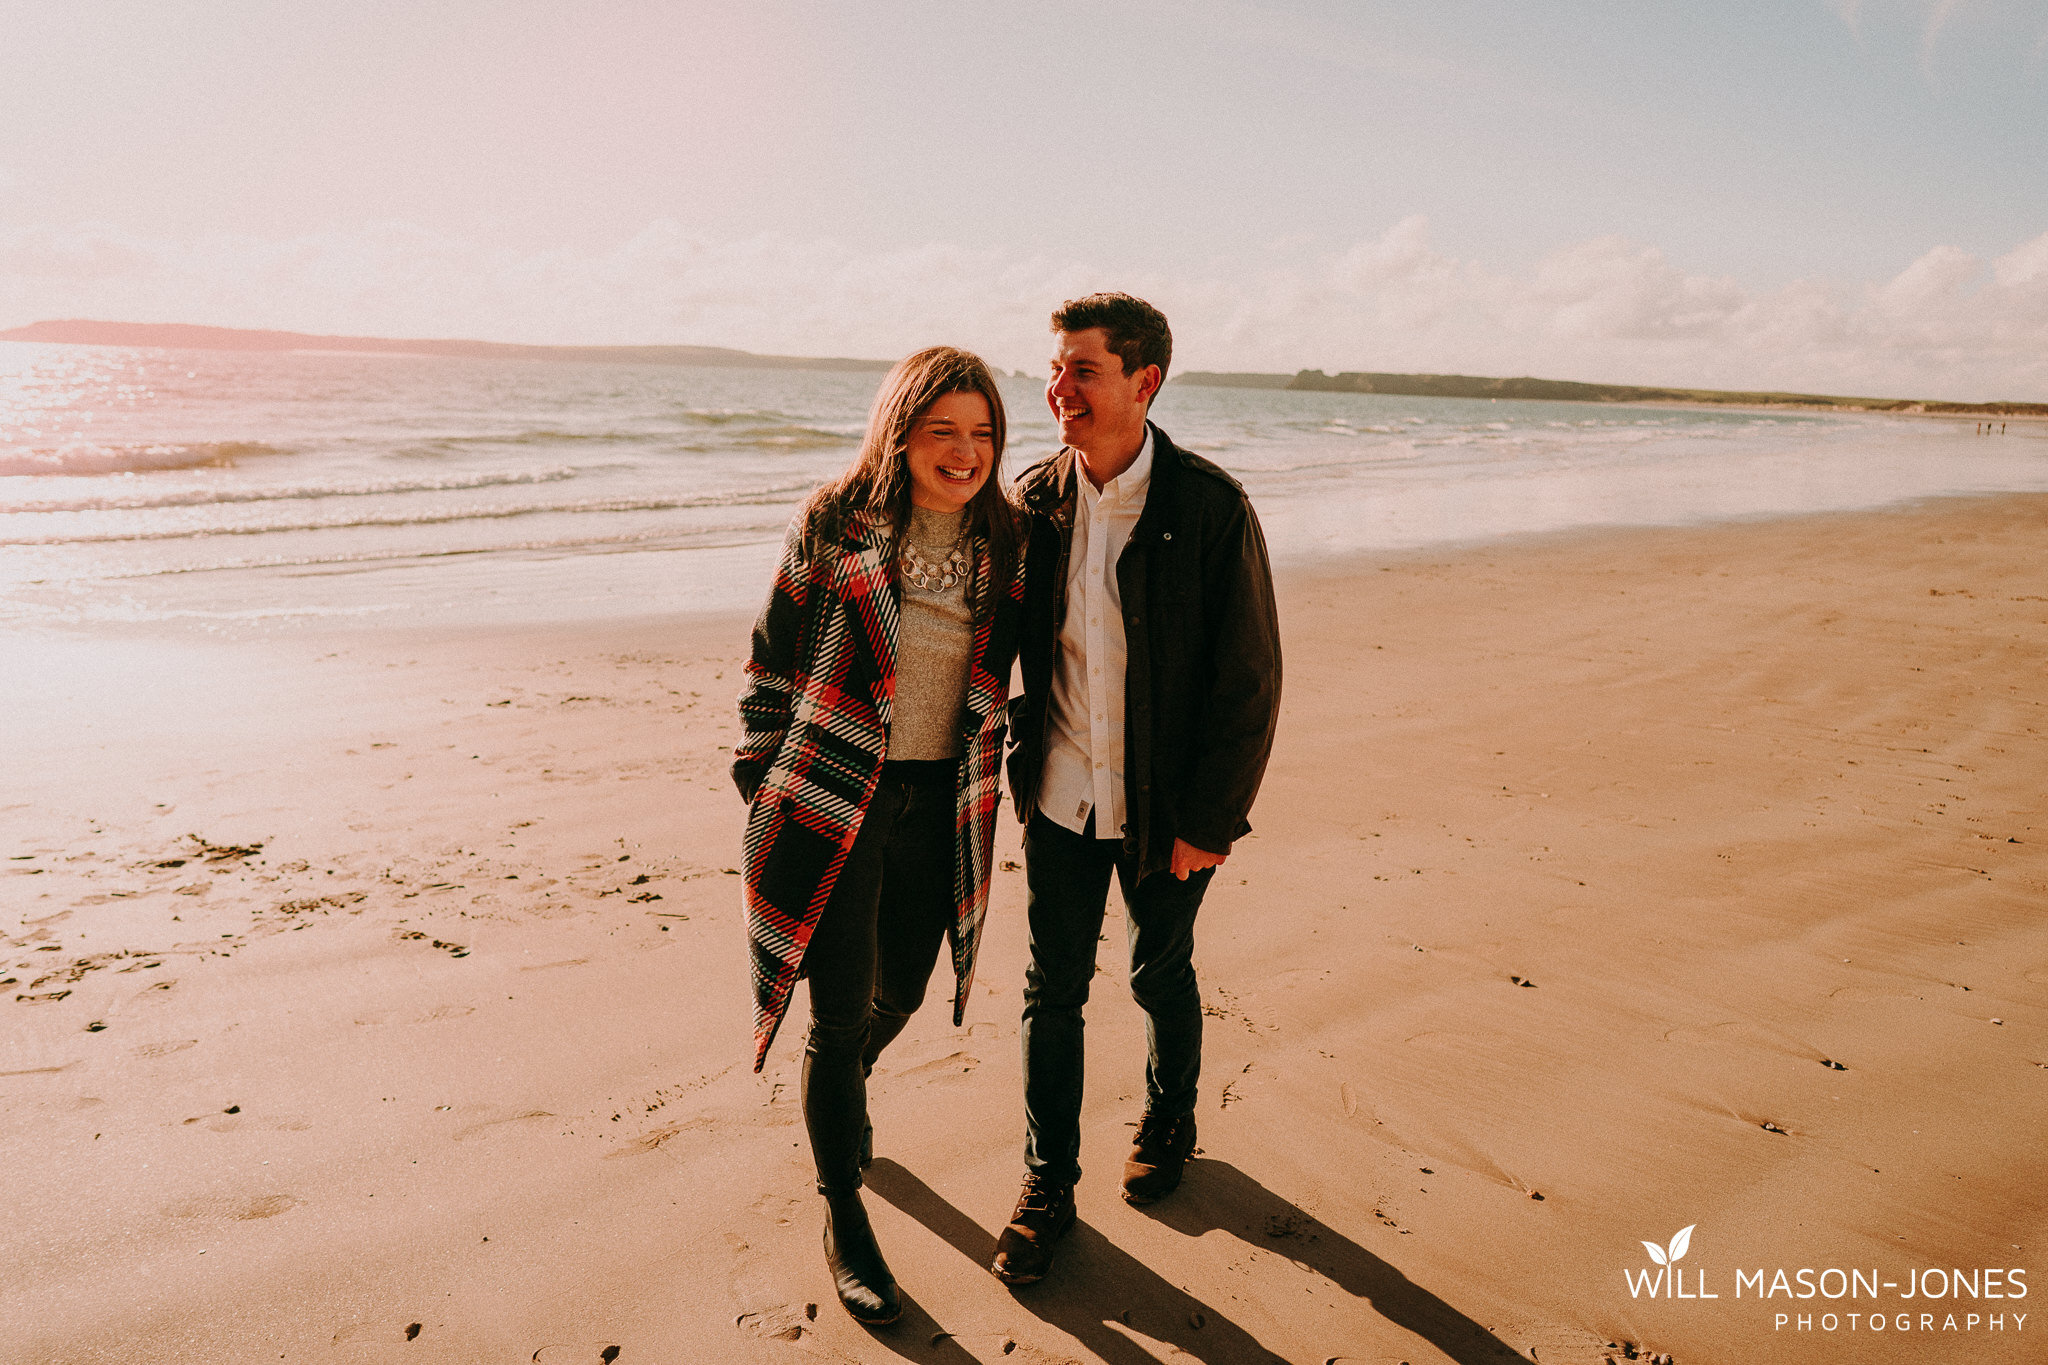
(381,994)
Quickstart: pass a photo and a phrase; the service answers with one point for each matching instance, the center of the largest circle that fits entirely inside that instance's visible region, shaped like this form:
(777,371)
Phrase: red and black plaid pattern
(815,716)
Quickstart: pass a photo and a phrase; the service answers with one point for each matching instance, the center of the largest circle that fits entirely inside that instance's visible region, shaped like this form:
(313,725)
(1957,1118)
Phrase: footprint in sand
(779,1209)
(378,1333)
(591,1353)
(1862,995)
(956,1063)
(1003,1346)
(1736,1033)
(156,990)
(232,1207)
(1549,1341)
(491,1125)
(651,1140)
(783,1322)
(204,851)
(1292,1224)
(452,949)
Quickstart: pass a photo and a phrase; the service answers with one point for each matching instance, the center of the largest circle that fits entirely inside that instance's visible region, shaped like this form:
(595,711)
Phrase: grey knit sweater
(934,640)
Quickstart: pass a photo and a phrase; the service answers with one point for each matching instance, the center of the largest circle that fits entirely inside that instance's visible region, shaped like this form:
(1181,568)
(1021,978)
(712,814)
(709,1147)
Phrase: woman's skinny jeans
(873,951)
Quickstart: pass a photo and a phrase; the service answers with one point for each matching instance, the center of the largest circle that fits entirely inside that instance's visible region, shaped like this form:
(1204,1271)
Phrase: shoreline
(1821,410)
(1553,880)
(740,562)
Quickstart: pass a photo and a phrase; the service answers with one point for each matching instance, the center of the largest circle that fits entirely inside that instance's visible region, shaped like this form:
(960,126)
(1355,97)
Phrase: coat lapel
(867,585)
(985,691)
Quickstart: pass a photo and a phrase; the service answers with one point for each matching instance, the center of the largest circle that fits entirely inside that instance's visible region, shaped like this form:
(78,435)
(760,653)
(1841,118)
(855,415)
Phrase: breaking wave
(207,497)
(85,458)
(758,497)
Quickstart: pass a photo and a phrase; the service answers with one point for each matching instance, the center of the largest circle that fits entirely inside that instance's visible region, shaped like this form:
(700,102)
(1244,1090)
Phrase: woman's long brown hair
(877,483)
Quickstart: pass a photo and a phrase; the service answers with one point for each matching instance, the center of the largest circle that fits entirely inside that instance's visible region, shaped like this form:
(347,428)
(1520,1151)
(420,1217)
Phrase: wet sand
(385,983)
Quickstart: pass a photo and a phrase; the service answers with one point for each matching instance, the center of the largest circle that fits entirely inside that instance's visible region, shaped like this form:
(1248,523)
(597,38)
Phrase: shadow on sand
(1216,1196)
(1098,1289)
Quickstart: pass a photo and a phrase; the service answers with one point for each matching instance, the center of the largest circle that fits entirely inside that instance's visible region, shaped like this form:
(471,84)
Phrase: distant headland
(1562,390)
(188,336)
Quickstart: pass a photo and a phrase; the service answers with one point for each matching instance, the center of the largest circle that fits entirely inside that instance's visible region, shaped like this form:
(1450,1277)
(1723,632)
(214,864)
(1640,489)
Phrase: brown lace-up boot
(1045,1210)
(1153,1169)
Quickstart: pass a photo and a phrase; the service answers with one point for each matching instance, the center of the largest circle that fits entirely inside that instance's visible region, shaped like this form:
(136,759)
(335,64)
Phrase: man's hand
(1187,858)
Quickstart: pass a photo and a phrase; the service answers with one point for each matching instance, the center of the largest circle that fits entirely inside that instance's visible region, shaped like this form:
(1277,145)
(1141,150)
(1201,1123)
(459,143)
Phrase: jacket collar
(866,542)
(864,530)
(1050,490)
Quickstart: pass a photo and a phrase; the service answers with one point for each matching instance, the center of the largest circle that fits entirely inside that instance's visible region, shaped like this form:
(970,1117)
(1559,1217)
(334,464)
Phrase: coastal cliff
(188,336)
(1569,391)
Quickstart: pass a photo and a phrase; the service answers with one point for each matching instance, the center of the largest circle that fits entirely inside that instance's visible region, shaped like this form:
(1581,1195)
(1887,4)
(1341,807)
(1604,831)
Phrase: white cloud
(1932,280)
(1611,287)
(2024,264)
(1607,309)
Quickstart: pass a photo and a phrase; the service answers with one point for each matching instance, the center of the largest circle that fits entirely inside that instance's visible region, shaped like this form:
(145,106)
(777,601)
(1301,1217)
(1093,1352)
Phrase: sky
(1846,196)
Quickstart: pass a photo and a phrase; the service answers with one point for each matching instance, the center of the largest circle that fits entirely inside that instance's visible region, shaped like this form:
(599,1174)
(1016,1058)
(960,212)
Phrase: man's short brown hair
(1134,331)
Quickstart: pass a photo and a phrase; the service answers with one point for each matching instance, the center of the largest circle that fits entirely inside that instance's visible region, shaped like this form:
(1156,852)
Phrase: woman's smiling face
(951,452)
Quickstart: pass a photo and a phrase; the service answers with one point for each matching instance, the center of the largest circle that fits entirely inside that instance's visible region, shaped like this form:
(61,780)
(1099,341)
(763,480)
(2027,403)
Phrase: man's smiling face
(1100,409)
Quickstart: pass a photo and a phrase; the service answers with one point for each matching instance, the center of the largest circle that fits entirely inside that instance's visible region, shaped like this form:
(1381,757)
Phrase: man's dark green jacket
(1202,681)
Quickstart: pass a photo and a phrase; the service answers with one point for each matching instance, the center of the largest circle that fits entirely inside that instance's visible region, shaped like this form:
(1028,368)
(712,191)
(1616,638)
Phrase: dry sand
(406,990)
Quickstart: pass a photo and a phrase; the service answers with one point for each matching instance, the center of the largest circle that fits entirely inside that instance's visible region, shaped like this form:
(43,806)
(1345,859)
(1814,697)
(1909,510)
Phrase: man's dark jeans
(1068,875)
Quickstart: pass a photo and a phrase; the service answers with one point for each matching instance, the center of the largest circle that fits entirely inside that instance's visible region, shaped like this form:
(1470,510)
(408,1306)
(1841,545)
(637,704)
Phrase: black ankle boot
(866,1288)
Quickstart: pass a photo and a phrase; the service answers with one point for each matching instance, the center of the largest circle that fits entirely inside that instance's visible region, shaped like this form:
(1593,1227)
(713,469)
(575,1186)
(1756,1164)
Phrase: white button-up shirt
(1084,760)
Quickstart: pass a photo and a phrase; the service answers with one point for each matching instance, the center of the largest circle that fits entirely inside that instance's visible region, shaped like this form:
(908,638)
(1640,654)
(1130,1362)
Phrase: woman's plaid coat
(815,716)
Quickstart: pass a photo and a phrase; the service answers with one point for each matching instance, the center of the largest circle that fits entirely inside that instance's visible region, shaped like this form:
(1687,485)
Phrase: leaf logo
(1678,1245)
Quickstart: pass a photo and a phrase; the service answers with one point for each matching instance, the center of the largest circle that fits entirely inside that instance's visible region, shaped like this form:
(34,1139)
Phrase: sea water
(251,490)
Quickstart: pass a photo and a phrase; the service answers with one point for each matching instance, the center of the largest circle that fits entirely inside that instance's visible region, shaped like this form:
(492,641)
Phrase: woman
(873,717)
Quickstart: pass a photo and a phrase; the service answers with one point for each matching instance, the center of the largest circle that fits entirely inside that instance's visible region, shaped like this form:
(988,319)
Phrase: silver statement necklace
(939,577)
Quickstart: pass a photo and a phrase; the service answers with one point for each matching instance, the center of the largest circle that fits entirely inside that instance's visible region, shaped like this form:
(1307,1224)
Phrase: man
(1151,659)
